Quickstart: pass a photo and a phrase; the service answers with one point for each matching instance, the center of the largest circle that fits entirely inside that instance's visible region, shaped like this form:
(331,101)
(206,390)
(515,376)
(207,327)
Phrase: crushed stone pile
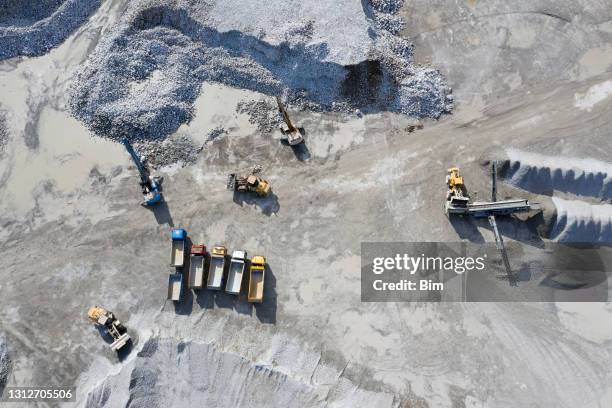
(262,113)
(580,222)
(4,135)
(5,364)
(167,373)
(383,12)
(216,133)
(178,149)
(142,79)
(544,174)
(32,28)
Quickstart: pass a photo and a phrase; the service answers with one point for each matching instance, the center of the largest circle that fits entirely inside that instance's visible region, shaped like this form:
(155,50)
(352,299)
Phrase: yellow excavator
(293,135)
(251,183)
(103,318)
(455,196)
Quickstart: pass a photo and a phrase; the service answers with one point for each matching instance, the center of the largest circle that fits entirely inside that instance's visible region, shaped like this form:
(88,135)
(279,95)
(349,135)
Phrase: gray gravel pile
(216,133)
(262,113)
(33,27)
(383,12)
(386,6)
(141,82)
(5,364)
(176,149)
(3,133)
(424,94)
(168,373)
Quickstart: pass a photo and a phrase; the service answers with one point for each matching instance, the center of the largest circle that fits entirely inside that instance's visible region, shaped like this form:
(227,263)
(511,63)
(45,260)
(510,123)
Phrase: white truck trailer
(236,272)
(175,286)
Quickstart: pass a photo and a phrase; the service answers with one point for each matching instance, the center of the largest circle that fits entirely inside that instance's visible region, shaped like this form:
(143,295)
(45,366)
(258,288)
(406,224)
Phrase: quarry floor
(73,235)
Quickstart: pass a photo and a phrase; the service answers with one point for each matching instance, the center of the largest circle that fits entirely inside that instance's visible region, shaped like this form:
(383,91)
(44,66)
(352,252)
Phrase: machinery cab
(150,197)
(258,185)
(97,315)
(198,250)
(453,179)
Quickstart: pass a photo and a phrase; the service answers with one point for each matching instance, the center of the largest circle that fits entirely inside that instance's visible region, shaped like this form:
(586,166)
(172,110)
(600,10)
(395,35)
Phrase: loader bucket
(120,342)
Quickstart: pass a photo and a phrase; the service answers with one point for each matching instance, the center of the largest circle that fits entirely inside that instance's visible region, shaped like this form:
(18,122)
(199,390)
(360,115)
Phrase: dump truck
(177,258)
(293,135)
(113,327)
(236,271)
(196,266)
(256,279)
(251,183)
(217,265)
(175,286)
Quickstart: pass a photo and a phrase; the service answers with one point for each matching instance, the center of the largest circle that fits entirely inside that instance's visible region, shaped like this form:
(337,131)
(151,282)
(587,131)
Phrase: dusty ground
(74,235)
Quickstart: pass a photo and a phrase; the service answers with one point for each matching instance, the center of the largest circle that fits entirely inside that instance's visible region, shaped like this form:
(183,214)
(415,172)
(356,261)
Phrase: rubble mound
(188,374)
(33,27)
(141,81)
(545,174)
(5,365)
(580,222)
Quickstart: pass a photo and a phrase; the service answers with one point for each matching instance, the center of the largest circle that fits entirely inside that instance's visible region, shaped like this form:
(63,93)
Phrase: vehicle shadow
(515,229)
(104,334)
(269,205)
(125,350)
(266,311)
(161,211)
(209,299)
(205,298)
(185,305)
(466,228)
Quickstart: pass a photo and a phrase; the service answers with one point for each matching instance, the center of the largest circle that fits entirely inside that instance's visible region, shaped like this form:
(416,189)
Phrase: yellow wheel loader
(251,183)
(103,318)
(455,196)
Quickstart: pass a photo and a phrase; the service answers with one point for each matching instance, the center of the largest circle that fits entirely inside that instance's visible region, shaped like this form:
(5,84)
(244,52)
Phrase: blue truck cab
(177,257)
